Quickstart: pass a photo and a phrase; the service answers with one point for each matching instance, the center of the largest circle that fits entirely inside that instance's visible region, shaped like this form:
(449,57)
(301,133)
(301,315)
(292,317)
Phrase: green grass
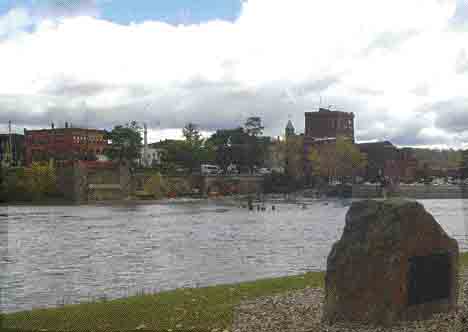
(200,309)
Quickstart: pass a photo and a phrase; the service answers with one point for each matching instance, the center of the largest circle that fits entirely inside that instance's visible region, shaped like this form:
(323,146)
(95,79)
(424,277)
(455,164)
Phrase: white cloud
(369,57)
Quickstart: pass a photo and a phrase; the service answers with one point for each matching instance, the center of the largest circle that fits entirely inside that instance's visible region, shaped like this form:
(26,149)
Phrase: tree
(340,159)
(253,126)
(349,158)
(228,146)
(254,145)
(192,134)
(192,147)
(41,180)
(125,142)
(293,148)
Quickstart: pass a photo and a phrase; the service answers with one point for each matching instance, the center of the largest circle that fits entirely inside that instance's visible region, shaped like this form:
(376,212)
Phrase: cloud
(14,22)
(278,59)
(460,18)
(462,62)
(452,115)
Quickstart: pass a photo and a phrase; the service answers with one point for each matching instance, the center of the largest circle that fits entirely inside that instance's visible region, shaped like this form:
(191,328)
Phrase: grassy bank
(201,309)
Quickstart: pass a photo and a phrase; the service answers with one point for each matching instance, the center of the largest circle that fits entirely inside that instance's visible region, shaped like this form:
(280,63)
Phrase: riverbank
(198,309)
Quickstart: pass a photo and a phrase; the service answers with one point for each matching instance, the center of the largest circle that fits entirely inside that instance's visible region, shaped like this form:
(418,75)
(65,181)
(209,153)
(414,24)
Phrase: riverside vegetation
(199,309)
(29,184)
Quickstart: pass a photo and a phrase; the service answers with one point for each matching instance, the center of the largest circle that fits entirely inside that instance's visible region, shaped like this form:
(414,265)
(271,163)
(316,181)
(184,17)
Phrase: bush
(280,183)
(156,186)
(29,184)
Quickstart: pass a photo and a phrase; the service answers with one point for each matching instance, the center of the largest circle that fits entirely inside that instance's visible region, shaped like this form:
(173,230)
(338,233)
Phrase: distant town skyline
(400,66)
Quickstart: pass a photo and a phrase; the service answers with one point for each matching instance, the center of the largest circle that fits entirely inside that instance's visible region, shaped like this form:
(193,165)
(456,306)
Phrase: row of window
(342,124)
(61,139)
(90,139)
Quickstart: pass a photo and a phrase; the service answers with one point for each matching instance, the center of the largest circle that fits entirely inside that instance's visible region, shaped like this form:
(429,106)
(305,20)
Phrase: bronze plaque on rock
(428,278)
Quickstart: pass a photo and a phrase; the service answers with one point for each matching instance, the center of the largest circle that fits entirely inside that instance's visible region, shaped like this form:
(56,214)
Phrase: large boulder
(393,262)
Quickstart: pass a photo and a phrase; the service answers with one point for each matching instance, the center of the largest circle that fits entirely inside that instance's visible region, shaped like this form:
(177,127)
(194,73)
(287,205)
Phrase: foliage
(240,146)
(29,184)
(156,186)
(294,155)
(228,145)
(438,158)
(187,154)
(178,186)
(337,160)
(349,158)
(126,142)
(280,183)
(192,134)
(253,126)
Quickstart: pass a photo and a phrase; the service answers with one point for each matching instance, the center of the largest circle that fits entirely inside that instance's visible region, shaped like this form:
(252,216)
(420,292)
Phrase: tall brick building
(329,124)
(63,143)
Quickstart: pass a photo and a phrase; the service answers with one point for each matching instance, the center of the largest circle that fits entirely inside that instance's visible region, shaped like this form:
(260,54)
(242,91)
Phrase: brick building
(329,124)
(385,159)
(64,144)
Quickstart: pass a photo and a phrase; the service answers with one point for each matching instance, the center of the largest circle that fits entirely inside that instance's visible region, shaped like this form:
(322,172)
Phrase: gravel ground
(301,311)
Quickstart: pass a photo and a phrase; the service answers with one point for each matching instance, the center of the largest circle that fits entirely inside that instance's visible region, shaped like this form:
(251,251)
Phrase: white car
(210,170)
(263,171)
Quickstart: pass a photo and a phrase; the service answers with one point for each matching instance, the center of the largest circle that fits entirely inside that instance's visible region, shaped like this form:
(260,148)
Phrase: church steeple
(290,131)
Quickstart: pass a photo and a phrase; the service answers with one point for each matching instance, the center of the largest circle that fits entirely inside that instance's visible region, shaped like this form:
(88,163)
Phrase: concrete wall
(80,184)
(418,191)
(246,184)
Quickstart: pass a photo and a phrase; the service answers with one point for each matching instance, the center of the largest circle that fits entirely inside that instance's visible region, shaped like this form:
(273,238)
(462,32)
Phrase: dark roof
(66,129)
(376,145)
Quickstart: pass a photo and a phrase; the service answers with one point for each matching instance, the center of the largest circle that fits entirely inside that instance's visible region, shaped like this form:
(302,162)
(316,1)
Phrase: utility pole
(87,131)
(10,150)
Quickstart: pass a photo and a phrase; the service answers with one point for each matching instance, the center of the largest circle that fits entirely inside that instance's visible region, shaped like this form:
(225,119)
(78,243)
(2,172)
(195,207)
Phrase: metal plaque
(428,278)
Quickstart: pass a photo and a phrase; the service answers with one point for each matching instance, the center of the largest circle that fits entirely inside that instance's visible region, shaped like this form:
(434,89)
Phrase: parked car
(210,169)
(232,169)
(263,171)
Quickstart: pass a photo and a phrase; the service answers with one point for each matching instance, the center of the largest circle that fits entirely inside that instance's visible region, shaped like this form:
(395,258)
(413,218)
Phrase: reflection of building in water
(11,149)
(64,144)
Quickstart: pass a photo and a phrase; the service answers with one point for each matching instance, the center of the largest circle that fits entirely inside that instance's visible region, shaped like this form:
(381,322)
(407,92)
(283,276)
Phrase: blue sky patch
(136,11)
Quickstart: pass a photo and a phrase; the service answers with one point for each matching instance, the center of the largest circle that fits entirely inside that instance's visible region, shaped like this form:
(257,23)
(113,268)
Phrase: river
(73,254)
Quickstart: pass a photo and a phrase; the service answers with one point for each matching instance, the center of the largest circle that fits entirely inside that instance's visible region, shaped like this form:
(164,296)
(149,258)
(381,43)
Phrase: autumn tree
(293,149)
(339,160)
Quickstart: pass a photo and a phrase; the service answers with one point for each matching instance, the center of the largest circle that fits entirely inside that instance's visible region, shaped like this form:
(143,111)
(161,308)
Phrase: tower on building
(290,131)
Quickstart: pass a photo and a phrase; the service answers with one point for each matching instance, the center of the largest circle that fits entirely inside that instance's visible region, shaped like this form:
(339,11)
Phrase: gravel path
(301,311)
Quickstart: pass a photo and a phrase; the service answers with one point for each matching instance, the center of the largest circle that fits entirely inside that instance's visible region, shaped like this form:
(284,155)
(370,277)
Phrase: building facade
(385,159)
(329,124)
(12,150)
(64,144)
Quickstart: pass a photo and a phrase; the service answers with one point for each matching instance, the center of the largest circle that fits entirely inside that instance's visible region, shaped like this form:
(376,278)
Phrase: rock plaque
(393,262)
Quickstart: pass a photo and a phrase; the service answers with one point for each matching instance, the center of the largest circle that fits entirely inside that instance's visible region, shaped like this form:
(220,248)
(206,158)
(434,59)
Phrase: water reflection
(73,254)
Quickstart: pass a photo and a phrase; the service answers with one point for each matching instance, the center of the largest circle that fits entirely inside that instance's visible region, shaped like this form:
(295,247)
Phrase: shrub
(156,186)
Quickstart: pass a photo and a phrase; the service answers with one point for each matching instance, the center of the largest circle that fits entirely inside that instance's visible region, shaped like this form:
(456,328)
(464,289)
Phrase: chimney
(53,126)
(66,124)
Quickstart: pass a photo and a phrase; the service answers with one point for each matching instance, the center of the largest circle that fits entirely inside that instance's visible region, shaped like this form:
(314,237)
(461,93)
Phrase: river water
(71,254)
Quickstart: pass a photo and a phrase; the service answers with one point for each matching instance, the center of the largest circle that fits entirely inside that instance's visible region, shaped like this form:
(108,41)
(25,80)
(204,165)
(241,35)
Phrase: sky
(401,66)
